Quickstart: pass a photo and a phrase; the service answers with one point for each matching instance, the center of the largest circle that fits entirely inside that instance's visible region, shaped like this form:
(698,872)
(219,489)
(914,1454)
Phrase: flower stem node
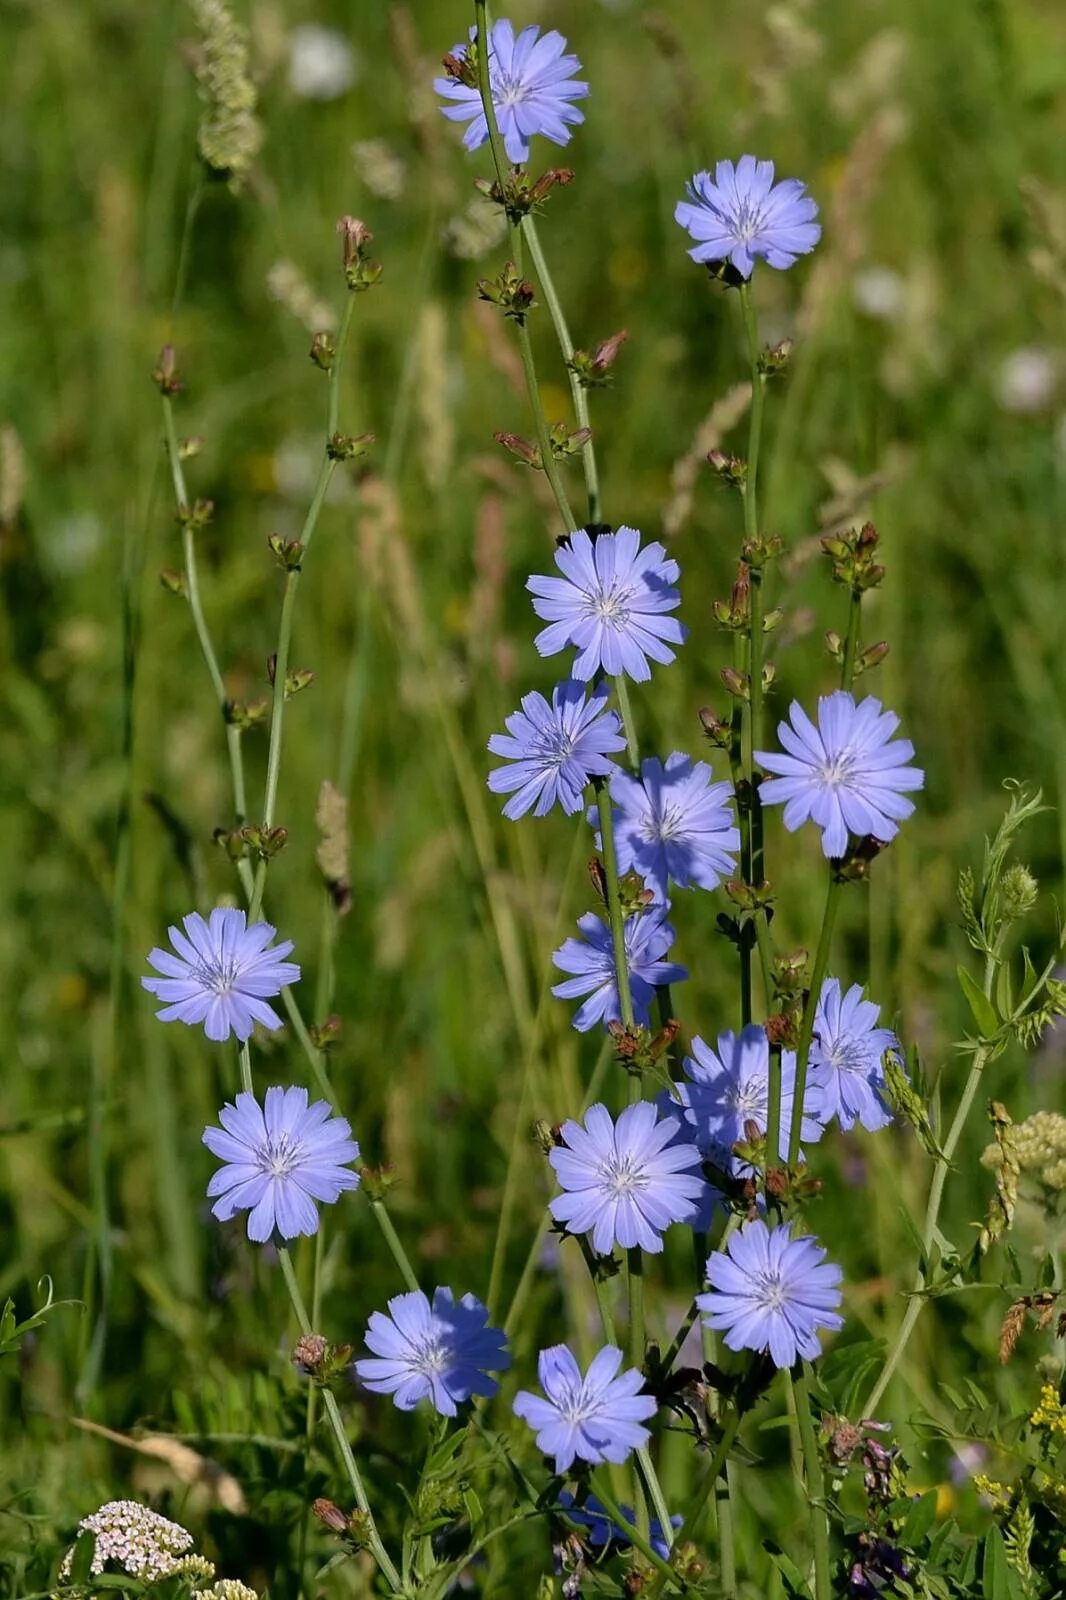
(773,359)
(198,515)
(518,195)
(749,896)
(264,842)
(165,372)
(762,549)
(289,552)
(377,1182)
(319,1360)
(854,866)
(783,1028)
(592,371)
(173,582)
(324,1034)
(789,975)
(852,555)
(359,270)
(343,447)
(733,470)
(734,614)
(323,351)
(245,714)
(513,294)
(462,69)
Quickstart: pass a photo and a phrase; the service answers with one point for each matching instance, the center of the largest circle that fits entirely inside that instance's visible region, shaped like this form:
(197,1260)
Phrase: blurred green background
(928,391)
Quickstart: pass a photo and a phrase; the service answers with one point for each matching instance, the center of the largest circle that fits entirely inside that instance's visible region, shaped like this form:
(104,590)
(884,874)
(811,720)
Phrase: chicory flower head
(728,1086)
(741,214)
(442,1352)
(533,88)
(673,824)
(847,775)
(279,1158)
(596,1417)
(601,1531)
(554,750)
(625,1182)
(648,936)
(847,1053)
(222,975)
(772,1292)
(611,603)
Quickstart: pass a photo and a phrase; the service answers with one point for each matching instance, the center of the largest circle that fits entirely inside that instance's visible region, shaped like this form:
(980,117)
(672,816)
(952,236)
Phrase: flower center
(431,1353)
(666,825)
(574,1404)
(622,1175)
(555,745)
(847,1055)
(838,772)
(219,976)
(749,1097)
(747,220)
(610,605)
(770,1290)
(510,91)
(278,1156)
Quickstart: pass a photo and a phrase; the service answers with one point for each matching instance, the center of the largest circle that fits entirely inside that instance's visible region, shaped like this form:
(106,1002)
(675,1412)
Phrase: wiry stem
(336,1422)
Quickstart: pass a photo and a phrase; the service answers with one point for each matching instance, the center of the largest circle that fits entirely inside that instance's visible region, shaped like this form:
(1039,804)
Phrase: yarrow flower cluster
(533,87)
(847,775)
(647,937)
(611,603)
(625,1182)
(674,824)
(278,1160)
(728,1085)
(741,214)
(594,1417)
(772,1292)
(847,1058)
(554,750)
(136,1539)
(442,1352)
(223,974)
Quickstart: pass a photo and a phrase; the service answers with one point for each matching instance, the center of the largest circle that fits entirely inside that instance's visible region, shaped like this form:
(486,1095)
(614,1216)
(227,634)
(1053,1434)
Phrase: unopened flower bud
(187,448)
(173,582)
(377,1181)
(359,270)
(736,682)
(774,358)
(323,1034)
(520,448)
(733,470)
(1019,890)
(718,732)
(289,553)
(309,1351)
(323,351)
(343,447)
(165,372)
(330,1515)
(871,657)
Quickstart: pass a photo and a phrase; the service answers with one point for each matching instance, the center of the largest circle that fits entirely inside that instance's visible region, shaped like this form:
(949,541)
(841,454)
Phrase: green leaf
(984,1013)
(82,1560)
(795,1583)
(919,1520)
(995,1581)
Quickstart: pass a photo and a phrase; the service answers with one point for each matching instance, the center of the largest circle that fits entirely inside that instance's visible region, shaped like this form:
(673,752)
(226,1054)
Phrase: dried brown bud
(330,1515)
(165,373)
(309,1352)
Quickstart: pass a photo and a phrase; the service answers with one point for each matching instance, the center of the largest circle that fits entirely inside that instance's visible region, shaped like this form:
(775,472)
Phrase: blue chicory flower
(847,775)
(554,750)
(625,1182)
(222,974)
(278,1160)
(741,214)
(648,936)
(596,1417)
(673,824)
(846,1061)
(772,1292)
(726,1087)
(532,82)
(611,603)
(602,1531)
(442,1352)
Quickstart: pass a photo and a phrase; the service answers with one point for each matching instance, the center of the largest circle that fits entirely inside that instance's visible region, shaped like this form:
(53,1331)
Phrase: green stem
(566,345)
(244,1062)
(851,643)
(718,1462)
(614,915)
(640,1540)
(635,1284)
(821,967)
(812,1466)
(621,689)
(773,1100)
(392,1239)
(525,348)
(192,592)
(758,396)
(336,1422)
(932,1211)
